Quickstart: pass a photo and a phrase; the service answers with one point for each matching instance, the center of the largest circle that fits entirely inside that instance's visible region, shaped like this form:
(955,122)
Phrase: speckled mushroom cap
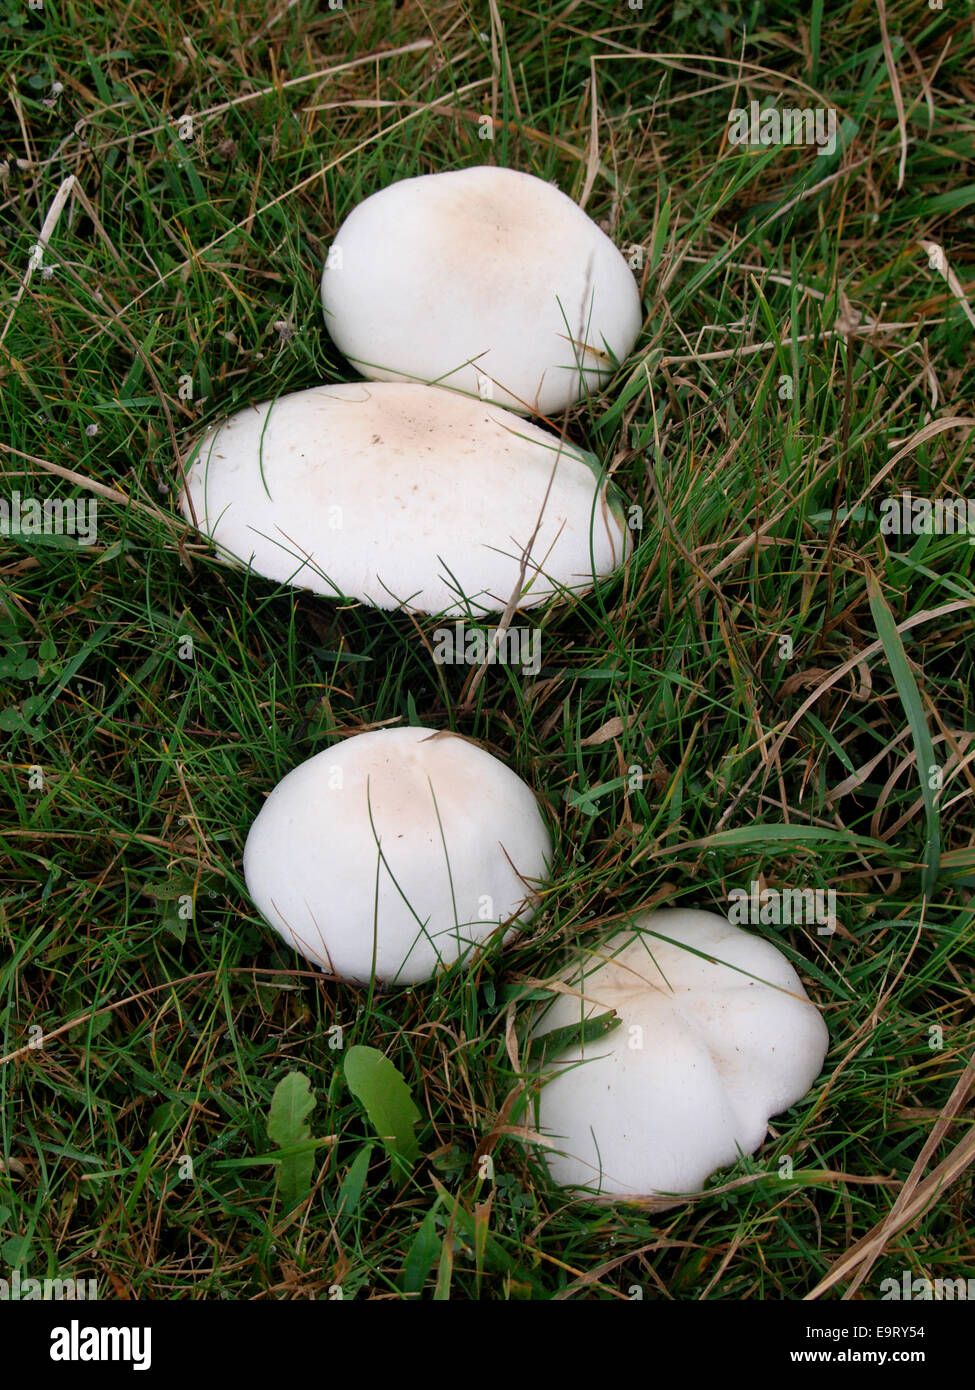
(397,851)
(717,1035)
(483,280)
(404,495)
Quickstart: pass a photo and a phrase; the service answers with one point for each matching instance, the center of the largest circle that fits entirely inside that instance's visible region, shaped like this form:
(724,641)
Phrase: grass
(780,671)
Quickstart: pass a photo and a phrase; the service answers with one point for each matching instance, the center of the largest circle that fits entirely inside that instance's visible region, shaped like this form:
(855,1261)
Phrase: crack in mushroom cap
(709,1048)
(481,275)
(401,495)
(420,843)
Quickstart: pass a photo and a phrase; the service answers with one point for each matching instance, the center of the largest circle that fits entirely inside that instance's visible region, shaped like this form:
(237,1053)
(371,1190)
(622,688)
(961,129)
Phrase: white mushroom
(396,852)
(716,1035)
(484,280)
(404,496)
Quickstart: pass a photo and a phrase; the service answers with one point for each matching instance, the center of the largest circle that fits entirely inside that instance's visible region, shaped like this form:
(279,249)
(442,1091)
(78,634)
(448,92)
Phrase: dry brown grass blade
(770,344)
(110,494)
(51,221)
(921,436)
(135,998)
(611,729)
(857,778)
(895,87)
(939,263)
(914,1196)
(592,159)
(333,70)
(928,615)
(756,536)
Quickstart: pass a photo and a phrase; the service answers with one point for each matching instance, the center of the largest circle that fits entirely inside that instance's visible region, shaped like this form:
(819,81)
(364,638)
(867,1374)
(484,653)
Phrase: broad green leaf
(15,1250)
(381,1091)
(423,1253)
(355,1180)
(288,1127)
(167,1116)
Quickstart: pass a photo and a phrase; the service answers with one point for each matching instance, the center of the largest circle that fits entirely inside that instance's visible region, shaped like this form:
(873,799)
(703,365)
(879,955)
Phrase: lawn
(776,688)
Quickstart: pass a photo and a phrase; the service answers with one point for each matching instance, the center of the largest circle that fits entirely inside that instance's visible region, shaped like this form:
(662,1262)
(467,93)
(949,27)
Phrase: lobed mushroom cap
(710,1046)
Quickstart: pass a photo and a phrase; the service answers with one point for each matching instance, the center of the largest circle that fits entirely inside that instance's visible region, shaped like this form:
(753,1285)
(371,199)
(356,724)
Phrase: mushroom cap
(705,1054)
(481,278)
(414,844)
(399,495)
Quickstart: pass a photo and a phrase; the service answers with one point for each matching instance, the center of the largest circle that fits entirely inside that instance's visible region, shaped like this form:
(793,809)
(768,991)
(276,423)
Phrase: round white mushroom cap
(717,1034)
(403,495)
(483,280)
(401,849)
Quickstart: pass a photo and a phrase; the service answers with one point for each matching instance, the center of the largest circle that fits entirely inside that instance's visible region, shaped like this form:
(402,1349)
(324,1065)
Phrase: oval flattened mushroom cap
(401,846)
(403,496)
(483,280)
(710,1046)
